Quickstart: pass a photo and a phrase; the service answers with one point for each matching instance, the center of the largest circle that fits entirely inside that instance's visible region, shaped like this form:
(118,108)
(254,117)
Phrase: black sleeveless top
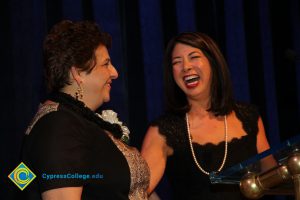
(186,180)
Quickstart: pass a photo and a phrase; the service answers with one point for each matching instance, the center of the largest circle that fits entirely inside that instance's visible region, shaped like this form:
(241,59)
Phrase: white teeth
(187,78)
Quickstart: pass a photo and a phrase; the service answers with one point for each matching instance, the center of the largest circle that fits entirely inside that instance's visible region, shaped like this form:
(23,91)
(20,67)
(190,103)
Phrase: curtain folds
(260,40)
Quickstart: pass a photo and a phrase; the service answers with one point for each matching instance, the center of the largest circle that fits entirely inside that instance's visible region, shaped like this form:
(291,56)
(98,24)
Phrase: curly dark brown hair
(71,44)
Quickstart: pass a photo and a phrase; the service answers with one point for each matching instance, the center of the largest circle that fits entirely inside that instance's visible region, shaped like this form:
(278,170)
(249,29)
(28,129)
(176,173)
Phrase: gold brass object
(250,186)
(254,186)
(293,164)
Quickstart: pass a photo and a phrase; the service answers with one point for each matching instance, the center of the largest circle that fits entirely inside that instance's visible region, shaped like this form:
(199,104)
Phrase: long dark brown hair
(221,102)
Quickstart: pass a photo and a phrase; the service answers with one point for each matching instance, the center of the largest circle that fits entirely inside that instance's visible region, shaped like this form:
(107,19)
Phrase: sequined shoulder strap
(43,110)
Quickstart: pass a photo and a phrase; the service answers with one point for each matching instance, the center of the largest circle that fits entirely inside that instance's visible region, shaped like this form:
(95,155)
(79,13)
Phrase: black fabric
(82,109)
(64,142)
(186,180)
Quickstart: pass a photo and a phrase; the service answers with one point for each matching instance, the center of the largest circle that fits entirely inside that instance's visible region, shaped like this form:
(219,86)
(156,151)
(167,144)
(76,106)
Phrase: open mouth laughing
(191,81)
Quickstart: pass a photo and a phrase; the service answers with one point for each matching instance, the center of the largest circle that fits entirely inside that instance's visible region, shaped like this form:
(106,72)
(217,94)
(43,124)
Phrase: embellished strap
(43,110)
(139,170)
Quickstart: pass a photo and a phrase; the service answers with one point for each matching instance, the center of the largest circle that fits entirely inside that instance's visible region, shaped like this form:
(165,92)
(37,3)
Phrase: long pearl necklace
(192,149)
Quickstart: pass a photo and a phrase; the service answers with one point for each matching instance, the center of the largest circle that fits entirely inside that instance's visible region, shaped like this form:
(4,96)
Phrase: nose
(186,65)
(113,72)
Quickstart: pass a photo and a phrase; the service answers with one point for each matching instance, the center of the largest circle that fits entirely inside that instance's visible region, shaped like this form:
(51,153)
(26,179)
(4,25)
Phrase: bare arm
(262,142)
(155,151)
(64,193)
(262,145)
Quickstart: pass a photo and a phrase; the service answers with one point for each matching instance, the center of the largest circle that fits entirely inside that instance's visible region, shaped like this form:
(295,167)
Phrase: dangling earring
(79,93)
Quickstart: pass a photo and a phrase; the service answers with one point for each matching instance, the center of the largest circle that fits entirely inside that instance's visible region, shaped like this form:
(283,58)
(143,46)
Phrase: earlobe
(76,75)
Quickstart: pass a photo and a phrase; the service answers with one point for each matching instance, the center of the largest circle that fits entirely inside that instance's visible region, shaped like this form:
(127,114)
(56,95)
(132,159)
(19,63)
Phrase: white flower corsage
(112,117)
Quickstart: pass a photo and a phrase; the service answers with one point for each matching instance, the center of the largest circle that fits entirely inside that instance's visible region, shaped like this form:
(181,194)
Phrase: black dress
(63,144)
(186,180)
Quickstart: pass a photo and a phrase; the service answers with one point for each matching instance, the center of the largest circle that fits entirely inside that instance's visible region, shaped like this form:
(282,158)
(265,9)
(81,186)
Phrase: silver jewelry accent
(192,149)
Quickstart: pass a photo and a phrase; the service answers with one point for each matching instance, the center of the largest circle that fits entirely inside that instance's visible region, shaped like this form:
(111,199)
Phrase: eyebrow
(188,54)
(193,52)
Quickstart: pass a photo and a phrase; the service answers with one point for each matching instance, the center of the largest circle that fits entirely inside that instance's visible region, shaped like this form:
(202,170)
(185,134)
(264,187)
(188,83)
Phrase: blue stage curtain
(259,38)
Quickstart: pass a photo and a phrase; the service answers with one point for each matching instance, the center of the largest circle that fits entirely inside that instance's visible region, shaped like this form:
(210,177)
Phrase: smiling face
(191,71)
(96,84)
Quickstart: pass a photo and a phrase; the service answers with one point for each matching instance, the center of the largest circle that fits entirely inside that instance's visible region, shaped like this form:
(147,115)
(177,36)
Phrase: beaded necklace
(192,149)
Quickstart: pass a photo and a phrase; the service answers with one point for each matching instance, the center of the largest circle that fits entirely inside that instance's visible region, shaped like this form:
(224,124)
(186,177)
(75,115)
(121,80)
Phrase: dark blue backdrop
(260,39)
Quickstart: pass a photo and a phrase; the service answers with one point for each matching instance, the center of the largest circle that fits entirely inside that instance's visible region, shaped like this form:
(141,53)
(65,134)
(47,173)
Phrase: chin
(106,99)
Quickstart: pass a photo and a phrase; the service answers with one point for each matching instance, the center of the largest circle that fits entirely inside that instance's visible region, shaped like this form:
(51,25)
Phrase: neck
(199,108)
(71,90)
